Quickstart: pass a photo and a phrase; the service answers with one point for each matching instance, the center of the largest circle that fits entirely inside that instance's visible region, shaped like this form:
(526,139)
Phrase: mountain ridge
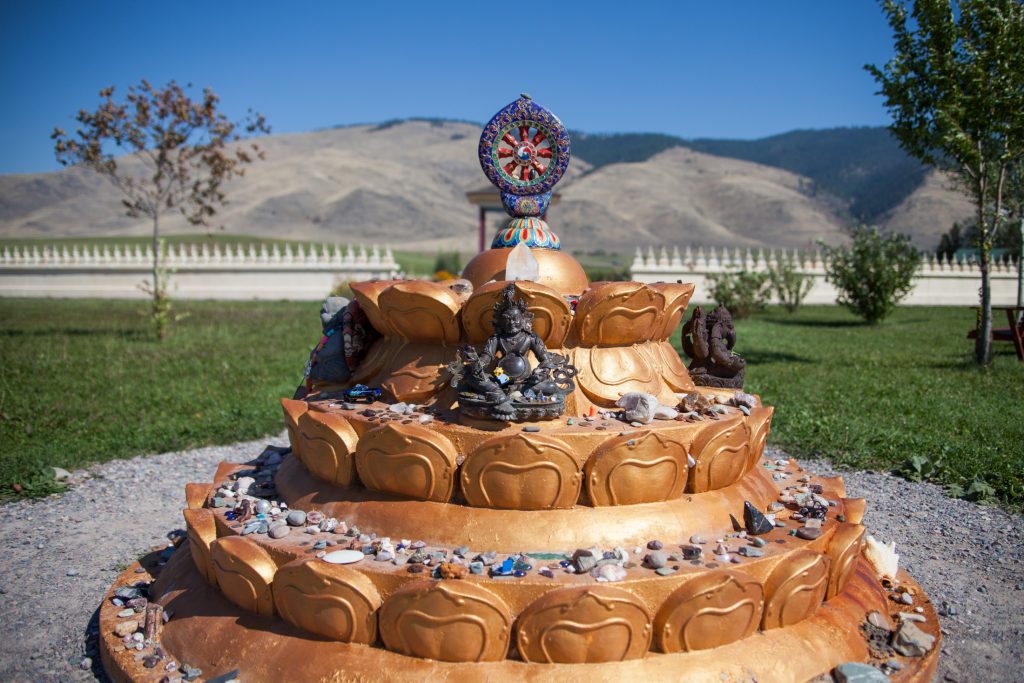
(405,181)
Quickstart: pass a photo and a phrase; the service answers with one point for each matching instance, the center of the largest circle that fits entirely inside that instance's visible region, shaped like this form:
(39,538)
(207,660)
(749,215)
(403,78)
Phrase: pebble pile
(251,503)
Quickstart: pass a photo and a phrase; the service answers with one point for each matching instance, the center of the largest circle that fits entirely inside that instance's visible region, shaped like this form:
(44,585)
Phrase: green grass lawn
(83,382)
(904,395)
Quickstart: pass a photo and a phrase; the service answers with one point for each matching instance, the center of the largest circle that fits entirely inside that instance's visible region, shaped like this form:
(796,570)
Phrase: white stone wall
(196,272)
(937,283)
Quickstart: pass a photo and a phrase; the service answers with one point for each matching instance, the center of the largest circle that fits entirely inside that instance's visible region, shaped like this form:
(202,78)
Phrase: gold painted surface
(368,296)
(376,360)
(552,316)
(589,624)
(542,530)
(759,424)
(417,372)
(293,410)
(226,469)
(521,472)
(467,434)
(669,366)
(722,455)
(408,461)
(197,493)
(835,485)
(843,550)
(421,311)
(713,609)
(677,297)
(557,269)
(855,509)
(641,467)
(327,444)
(619,314)
(209,632)
(606,373)
(202,532)
(450,621)
(245,573)
(330,600)
(795,589)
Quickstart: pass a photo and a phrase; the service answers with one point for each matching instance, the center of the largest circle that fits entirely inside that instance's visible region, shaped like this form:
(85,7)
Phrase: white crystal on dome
(521,264)
(883,558)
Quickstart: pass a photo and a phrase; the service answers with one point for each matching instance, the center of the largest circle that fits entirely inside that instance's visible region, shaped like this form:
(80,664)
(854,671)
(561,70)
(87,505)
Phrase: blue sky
(731,69)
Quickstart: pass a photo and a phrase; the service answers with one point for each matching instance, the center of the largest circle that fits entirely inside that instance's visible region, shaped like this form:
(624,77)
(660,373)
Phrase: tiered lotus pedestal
(407,540)
(273,610)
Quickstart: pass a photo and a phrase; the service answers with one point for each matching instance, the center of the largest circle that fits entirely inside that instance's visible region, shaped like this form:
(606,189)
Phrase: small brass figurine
(708,339)
(499,382)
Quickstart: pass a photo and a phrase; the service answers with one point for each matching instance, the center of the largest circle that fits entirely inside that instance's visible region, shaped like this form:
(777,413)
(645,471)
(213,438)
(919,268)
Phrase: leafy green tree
(955,90)
(873,273)
(164,151)
(743,293)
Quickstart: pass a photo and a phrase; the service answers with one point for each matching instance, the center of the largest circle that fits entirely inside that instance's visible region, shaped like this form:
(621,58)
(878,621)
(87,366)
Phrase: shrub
(341,288)
(743,293)
(606,273)
(442,275)
(873,273)
(448,262)
(790,286)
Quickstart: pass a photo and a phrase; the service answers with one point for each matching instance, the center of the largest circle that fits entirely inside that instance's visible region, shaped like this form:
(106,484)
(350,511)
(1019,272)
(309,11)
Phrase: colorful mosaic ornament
(520,206)
(533,232)
(524,149)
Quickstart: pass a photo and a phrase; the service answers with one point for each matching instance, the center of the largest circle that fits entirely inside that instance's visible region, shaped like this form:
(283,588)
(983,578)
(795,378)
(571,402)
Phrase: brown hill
(684,197)
(930,211)
(405,184)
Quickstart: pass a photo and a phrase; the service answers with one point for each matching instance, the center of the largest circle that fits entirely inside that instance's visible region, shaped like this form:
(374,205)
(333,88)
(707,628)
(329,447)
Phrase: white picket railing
(203,271)
(939,282)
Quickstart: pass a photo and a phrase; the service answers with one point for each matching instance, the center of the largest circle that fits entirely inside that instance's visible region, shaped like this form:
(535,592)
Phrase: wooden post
(483,226)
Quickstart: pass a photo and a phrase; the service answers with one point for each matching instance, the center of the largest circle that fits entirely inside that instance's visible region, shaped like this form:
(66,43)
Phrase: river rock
(755,521)
(296,518)
(608,573)
(856,672)
(343,556)
(910,641)
(691,552)
(279,531)
(638,407)
(126,628)
(583,560)
(656,559)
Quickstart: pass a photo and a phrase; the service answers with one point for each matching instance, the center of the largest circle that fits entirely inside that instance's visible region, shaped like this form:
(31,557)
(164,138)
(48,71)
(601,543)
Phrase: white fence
(196,271)
(938,282)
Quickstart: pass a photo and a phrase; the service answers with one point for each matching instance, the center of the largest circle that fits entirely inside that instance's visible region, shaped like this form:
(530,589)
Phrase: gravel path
(60,554)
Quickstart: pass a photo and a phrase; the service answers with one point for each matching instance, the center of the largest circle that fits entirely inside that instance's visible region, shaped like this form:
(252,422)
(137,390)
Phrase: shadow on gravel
(92,646)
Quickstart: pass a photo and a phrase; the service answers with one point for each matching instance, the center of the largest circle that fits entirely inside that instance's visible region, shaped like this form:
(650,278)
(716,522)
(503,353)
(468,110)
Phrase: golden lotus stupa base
(407,539)
(808,637)
(556,269)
